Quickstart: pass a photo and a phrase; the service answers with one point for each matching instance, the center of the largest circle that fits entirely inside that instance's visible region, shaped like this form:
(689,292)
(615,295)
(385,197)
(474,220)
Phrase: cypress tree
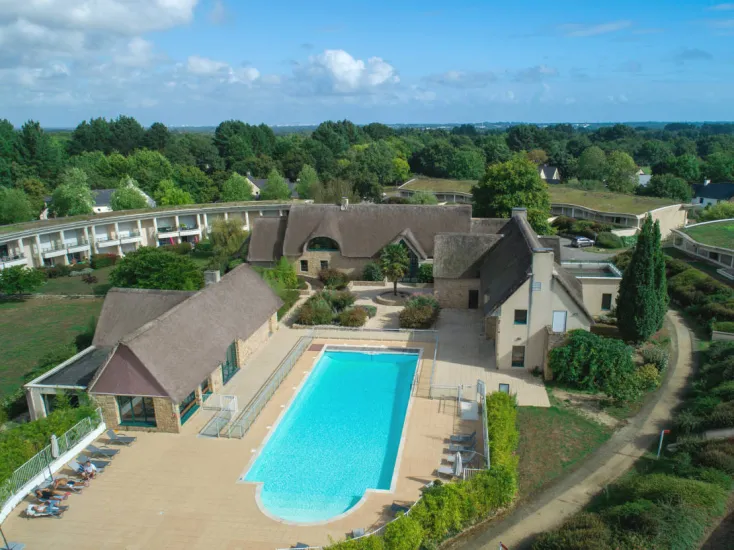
(638,304)
(661,281)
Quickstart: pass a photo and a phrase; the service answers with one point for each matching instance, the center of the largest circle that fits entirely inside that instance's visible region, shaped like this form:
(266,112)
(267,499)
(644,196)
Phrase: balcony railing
(12,259)
(54,246)
(175,230)
(133,233)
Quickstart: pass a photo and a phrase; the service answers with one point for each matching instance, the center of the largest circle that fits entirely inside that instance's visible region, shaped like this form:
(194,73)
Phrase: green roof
(604,201)
(714,234)
(43,224)
(438,185)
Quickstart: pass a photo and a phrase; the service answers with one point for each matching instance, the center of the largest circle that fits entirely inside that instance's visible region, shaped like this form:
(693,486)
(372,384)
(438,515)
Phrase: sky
(287,62)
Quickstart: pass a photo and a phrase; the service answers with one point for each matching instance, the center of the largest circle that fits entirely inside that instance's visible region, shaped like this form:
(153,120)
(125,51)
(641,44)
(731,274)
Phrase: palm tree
(395,263)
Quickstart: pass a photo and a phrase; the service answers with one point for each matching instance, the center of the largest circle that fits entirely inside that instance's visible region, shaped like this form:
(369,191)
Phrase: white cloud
(578,30)
(219,13)
(722,7)
(536,74)
(342,73)
(205,66)
(116,16)
(138,52)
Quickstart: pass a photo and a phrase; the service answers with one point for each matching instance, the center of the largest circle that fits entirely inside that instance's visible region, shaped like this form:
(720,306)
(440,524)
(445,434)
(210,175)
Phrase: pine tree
(661,282)
(638,304)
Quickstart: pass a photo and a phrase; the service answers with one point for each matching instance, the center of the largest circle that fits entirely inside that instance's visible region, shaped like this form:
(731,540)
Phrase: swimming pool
(339,437)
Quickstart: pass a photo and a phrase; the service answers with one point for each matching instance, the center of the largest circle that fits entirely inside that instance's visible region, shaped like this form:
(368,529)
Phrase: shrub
(56,271)
(363,543)
(607,239)
(179,248)
(81,272)
(502,429)
(354,317)
(425,273)
(289,297)
(204,245)
(563,224)
(282,275)
(593,362)
(371,310)
(581,532)
(315,312)
(667,488)
(727,326)
(648,376)
(655,355)
(333,278)
(103,260)
(674,266)
(404,533)
(420,312)
(373,272)
(340,300)
(724,391)
(89,279)
(718,459)
(421,300)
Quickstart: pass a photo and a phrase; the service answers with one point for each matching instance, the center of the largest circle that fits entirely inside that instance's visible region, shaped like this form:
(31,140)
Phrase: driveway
(570,254)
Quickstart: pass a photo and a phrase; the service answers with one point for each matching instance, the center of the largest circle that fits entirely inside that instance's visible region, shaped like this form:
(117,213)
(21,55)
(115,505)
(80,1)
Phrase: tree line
(336,159)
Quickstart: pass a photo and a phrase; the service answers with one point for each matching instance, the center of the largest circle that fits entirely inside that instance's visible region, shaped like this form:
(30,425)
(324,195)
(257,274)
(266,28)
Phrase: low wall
(55,466)
(717,336)
(367,284)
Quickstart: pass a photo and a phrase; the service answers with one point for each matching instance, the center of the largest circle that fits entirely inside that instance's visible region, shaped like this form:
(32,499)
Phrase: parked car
(581,242)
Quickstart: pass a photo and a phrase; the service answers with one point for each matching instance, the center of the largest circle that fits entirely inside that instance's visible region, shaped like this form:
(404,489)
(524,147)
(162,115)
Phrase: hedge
(103,260)
(606,239)
(727,326)
(502,429)
(425,273)
(372,272)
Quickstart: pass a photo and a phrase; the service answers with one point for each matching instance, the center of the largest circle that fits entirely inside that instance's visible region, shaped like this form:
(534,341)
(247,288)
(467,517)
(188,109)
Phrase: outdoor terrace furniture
(301,545)
(120,439)
(447,471)
(465,457)
(102,453)
(463,438)
(461,448)
(32,511)
(99,464)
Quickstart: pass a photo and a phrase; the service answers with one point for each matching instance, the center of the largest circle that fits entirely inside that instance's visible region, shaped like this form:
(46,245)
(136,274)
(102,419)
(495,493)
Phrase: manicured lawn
(440,185)
(551,441)
(75,285)
(714,234)
(31,328)
(605,201)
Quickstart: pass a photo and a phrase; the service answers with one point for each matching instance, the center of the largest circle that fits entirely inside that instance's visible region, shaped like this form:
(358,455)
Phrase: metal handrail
(244,421)
(219,421)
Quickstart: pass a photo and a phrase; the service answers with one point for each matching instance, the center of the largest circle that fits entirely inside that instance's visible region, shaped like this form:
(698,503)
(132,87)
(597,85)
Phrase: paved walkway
(611,461)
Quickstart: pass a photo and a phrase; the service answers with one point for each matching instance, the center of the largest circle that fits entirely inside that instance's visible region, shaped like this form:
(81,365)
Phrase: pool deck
(181,491)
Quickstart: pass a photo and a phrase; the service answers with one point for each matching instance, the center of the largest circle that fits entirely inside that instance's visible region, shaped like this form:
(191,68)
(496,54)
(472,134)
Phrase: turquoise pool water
(339,437)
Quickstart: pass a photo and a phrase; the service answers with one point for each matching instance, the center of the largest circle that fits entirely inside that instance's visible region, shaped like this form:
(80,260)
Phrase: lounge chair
(463,438)
(461,448)
(465,457)
(100,464)
(446,471)
(52,512)
(120,439)
(76,467)
(301,545)
(102,453)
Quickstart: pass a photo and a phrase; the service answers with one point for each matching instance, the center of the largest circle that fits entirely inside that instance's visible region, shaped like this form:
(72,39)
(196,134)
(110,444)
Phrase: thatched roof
(361,230)
(266,241)
(460,255)
(488,225)
(172,354)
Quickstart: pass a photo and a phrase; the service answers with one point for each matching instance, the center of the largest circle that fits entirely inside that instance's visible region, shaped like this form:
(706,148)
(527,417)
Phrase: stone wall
(353,267)
(215,380)
(454,293)
(110,412)
(245,348)
(553,340)
(166,415)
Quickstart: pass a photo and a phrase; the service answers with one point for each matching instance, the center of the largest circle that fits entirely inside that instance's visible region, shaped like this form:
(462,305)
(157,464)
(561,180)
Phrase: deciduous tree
(275,188)
(592,164)
(128,196)
(168,194)
(19,279)
(308,183)
(14,206)
(668,186)
(236,188)
(621,172)
(73,197)
(423,197)
(157,268)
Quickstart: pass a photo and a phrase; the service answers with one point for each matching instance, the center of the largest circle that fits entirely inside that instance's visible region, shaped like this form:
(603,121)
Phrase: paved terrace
(181,491)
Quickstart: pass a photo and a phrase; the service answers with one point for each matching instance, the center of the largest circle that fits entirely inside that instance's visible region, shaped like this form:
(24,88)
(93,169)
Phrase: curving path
(614,458)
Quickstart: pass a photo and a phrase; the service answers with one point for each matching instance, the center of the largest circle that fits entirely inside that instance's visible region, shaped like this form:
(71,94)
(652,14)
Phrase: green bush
(592,362)
(420,312)
(724,391)
(373,272)
(340,300)
(315,312)
(655,355)
(283,275)
(607,239)
(204,245)
(648,376)
(103,260)
(371,311)
(581,532)
(178,248)
(667,488)
(404,533)
(354,317)
(502,429)
(56,271)
(726,326)
(718,459)
(425,273)
(333,278)
(563,224)
(362,543)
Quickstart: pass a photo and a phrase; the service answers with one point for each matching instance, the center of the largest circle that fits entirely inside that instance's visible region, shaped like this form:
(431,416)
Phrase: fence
(218,402)
(42,460)
(482,389)
(242,423)
(219,421)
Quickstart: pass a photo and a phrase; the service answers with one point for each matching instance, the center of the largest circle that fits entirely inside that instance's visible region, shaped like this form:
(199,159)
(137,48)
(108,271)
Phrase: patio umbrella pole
(10,545)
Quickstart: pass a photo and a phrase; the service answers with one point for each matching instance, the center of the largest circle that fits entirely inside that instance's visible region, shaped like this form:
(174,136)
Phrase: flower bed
(332,308)
(420,312)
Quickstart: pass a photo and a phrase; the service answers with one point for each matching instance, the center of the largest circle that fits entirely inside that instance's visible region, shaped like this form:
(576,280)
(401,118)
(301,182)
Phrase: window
(714,256)
(324,264)
(323,243)
(606,302)
(229,367)
(304,266)
(504,388)
(188,407)
(521,316)
(206,389)
(136,411)
(518,356)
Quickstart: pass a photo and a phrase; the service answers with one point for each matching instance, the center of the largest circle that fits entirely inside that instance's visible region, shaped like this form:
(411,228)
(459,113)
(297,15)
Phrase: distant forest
(340,158)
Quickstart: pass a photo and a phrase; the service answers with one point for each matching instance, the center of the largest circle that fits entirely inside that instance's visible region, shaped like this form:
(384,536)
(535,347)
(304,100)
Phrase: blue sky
(197,62)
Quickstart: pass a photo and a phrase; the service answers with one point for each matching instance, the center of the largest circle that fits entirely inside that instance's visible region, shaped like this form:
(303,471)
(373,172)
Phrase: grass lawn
(605,201)
(440,185)
(75,285)
(552,440)
(31,328)
(714,234)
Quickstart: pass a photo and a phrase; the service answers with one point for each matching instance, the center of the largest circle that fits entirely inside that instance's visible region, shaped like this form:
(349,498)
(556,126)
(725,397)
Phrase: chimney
(345,203)
(212,277)
(520,212)
(706,182)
